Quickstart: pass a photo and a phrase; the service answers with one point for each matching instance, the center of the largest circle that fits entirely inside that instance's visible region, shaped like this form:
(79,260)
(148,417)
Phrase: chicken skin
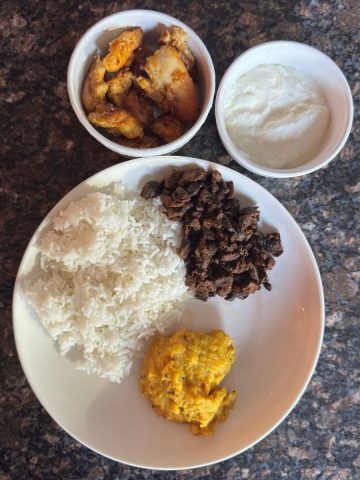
(116,121)
(94,87)
(169,84)
(119,86)
(122,48)
(177,38)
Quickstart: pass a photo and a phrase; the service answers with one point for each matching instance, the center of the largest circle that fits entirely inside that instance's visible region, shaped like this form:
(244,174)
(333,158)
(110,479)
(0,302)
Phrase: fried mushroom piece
(147,141)
(137,105)
(167,127)
(169,84)
(122,48)
(116,121)
(152,189)
(94,87)
(119,86)
(177,38)
(224,252)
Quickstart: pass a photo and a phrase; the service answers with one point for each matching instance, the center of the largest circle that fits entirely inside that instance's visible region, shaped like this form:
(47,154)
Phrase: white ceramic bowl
(317,66)
(277,336)
(96,41)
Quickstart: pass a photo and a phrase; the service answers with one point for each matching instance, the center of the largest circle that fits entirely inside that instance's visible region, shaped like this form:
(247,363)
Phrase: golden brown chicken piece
(119,86)
(94,88)
(138,106)
(167,127)
(147,141)
(170,85)
(121,49)
(177,38)
(116,121)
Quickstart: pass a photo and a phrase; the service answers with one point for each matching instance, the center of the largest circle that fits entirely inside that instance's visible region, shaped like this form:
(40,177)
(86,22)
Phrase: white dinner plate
(277,336)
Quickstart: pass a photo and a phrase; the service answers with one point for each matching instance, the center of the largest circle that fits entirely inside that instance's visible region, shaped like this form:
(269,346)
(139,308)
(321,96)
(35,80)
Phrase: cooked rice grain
(111,278)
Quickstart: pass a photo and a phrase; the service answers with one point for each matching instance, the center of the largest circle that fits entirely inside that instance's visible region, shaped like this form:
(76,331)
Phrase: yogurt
(276,116)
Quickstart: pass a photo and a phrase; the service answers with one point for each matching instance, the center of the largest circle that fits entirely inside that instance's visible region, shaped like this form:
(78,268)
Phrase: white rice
(111,279)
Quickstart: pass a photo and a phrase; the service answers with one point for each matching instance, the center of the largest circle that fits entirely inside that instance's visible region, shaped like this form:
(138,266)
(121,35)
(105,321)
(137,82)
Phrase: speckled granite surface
(45,152)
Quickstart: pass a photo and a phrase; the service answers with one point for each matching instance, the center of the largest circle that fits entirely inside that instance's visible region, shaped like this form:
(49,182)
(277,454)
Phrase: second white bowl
(96,41)
(315,65)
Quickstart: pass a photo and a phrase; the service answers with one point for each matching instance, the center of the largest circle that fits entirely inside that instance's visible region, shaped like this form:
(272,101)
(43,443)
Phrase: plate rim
(166,159)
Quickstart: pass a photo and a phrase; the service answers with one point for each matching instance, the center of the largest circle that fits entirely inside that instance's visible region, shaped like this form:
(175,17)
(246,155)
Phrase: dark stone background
(45,152)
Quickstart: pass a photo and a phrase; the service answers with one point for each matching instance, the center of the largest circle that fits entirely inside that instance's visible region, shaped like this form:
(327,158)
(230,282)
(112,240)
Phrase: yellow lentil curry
(181,376)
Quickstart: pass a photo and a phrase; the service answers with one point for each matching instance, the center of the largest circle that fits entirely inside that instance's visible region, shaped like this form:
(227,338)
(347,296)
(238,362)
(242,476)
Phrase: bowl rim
(129,151)
(253,166)
(165,159)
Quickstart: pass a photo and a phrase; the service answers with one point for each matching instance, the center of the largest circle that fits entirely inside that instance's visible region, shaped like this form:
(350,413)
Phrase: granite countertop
(45,152)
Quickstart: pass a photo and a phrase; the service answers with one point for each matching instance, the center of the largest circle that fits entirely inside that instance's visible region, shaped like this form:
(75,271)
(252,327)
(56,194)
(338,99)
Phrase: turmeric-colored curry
(181,376)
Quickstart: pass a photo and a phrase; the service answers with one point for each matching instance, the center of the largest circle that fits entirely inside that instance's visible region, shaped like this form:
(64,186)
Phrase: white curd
(276,115)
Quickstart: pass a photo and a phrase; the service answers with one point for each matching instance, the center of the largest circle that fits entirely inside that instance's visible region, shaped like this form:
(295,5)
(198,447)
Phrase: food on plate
(169,84)
(224,252)
(94,88)
(167,127)
(177,38)
(276,115)
(110,279)
(181,374)
(119,86)
(116,120)
(151,189)
(122,48)
(135,92)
